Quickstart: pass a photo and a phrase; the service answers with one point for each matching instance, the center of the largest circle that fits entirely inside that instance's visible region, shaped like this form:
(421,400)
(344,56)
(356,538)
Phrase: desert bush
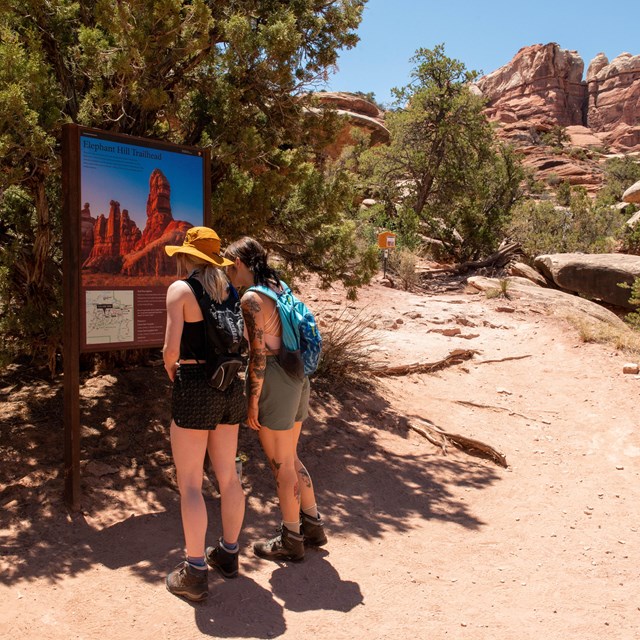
(403,263)
(563,194)
(541,227)
(633,318)
(346,343)
(501,291)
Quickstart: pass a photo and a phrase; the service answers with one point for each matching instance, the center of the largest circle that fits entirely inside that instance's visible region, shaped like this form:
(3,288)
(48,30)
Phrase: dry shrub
(346,348)
(625,340)
(403,263)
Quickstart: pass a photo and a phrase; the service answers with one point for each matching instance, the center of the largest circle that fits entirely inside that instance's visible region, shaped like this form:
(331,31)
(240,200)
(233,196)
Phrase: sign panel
(386,240)
(136,196)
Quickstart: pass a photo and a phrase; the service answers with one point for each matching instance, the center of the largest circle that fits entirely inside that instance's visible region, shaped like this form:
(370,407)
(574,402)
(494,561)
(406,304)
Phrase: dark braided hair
(254,256)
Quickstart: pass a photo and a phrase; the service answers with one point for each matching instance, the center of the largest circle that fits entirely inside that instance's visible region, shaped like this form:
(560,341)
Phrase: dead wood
(505,359)
(496,408)
(498,259)
(455,357)
(441,438)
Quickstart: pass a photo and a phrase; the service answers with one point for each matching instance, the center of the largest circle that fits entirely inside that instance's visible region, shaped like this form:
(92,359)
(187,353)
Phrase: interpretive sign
(136,196)
(125,198)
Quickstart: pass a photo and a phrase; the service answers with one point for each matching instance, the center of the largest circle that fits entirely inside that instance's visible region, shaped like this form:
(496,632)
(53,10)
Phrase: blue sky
(109,174)
(483,35)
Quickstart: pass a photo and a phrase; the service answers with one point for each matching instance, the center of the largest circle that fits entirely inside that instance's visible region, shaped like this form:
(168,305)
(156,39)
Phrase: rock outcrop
(594,275)
(87,222)
(118,246)
(632,194)
(158,208)
(359,112)
(552,300)
(543,87)
(106,255)
(613,90)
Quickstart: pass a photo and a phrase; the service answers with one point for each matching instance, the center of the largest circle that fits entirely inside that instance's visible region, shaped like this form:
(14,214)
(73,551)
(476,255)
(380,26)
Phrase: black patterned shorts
(196,405)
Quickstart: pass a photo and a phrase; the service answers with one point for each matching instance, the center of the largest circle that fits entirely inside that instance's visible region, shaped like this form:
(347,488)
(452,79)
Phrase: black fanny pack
(223,370)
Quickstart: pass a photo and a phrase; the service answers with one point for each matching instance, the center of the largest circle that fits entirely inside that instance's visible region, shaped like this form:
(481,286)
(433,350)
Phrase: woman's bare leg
(307,494)
(279,447)
(222,448)
(188,447)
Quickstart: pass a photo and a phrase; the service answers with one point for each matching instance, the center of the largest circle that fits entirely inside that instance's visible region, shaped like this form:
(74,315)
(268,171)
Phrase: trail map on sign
(109,316)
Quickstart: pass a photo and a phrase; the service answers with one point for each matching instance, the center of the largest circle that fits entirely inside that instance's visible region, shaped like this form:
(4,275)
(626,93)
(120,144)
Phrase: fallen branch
(455,357)
(496,408)
(441,438)
(505,359)
(498,259)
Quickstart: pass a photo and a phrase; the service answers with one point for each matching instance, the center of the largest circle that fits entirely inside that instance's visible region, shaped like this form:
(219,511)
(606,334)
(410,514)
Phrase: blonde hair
(213,279)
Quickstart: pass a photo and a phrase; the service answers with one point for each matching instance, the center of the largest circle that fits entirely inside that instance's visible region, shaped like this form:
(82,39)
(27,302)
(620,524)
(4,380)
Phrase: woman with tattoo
(204,418)
(277,404)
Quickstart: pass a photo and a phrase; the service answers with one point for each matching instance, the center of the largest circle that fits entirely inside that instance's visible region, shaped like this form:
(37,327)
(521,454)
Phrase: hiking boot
(224,562)
(186,581)
(312,530)
(287,545)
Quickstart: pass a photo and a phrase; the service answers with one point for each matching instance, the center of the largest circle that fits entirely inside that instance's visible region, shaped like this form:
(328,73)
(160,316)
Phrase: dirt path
(422,545)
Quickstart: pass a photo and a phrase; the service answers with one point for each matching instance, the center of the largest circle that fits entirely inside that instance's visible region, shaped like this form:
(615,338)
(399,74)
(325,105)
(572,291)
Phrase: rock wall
(542,87)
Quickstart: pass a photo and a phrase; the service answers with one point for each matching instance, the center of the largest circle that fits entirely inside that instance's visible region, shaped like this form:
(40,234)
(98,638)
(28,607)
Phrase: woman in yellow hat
(204,419)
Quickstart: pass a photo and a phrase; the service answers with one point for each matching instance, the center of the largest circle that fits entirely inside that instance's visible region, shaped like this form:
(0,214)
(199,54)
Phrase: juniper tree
(231,75)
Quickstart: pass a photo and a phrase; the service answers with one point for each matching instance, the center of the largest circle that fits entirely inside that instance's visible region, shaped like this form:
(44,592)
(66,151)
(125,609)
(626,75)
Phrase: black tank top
(192,342)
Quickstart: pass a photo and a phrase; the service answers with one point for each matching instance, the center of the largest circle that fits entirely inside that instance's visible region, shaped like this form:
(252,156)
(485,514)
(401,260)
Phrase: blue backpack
(300,334)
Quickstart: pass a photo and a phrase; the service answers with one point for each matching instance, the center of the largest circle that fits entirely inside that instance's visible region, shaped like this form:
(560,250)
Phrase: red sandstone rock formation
(542,85)
(614,100)
(129,233)
(118,245)
(105,255)
(360,113)
(87,222)
(152,259)
(158,208)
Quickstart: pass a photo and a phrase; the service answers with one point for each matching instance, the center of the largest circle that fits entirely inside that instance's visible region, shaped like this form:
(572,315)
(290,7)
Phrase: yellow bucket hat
(201,242)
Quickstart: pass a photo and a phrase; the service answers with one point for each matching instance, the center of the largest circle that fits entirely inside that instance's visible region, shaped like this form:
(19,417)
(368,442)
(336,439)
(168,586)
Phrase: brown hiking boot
(287,545)
(312,530)
(225,562)
(188,582)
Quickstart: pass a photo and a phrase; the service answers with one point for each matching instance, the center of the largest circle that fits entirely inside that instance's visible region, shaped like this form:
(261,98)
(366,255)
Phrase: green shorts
(284,400)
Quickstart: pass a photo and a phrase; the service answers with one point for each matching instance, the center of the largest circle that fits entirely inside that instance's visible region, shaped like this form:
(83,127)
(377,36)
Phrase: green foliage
(633,318)
(542,227)
(556,137)
(619,175)
(443,172)
(563,194)
(231,76)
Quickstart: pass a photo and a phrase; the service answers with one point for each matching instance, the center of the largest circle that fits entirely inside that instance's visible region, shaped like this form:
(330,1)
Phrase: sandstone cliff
(543,87)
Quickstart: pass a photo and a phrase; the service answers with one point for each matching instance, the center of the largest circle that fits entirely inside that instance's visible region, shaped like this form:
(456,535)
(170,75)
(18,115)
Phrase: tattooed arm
(254,321)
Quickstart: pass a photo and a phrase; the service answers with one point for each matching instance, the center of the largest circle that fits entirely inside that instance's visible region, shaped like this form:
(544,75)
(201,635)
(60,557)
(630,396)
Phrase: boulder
(552,301)
(632,194)
(525,271)
(593,275)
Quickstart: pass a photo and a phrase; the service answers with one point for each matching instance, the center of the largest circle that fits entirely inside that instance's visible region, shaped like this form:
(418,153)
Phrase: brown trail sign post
(125,198)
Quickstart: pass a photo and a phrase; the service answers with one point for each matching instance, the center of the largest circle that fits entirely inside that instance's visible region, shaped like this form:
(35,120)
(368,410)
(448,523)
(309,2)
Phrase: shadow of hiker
(314,585)
(239,608)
